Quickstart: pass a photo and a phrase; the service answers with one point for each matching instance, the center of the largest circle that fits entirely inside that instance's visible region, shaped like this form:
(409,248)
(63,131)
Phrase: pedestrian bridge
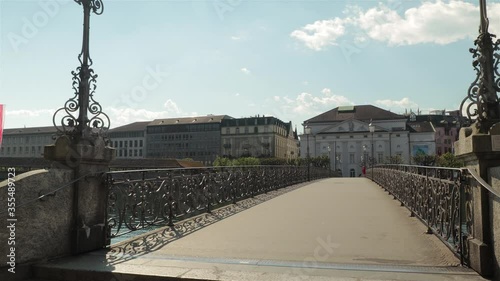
(324,229)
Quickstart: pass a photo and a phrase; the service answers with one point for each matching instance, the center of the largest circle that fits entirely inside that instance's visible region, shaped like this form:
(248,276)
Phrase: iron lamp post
(81,117)
(482,101)
(307,131)
(329,162)
(372,130)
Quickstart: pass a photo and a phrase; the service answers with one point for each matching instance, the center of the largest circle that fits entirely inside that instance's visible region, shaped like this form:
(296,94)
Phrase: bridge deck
(339,227)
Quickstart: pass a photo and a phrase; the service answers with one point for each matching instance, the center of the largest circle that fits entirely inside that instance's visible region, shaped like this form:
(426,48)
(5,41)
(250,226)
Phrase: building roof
(421,127)
(136,126)
(31,130)
(357,112)
(190,120)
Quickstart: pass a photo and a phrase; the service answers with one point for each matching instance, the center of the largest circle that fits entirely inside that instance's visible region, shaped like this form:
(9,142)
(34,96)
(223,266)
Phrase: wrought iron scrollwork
(140,199)
(95,5)
(481,102)
(82,116)
(437,196)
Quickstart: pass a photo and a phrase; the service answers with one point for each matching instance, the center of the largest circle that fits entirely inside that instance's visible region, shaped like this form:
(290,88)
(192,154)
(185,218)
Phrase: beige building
(259,136)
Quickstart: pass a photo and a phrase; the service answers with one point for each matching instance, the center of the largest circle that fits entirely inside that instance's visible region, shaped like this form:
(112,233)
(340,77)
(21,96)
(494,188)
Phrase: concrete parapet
(41,226)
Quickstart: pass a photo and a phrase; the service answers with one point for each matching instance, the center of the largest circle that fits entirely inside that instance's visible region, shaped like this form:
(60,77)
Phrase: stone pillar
(479,153)
(89,159)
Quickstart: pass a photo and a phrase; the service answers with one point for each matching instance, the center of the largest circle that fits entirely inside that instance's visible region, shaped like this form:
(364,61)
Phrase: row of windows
(27,139)
(130,143)
(182,128)
(137,134)
(35,150)
(129,153)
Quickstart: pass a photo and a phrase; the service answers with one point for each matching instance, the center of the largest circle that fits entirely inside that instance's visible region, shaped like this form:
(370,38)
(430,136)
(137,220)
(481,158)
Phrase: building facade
(422,138)
(198,138)
(129,140)
(259,136)
(343,134)
(26,142)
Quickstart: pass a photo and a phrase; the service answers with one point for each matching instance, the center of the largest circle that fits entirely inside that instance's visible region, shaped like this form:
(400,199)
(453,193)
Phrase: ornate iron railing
(442,198)
(144,198)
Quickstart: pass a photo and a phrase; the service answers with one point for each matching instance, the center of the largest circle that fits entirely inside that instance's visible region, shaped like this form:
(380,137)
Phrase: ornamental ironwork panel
(143,198)
(440,197)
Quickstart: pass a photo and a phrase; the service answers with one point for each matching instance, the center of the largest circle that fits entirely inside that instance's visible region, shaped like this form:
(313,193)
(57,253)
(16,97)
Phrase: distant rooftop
(190,120)
(358,112)
(136,126)
(30,130)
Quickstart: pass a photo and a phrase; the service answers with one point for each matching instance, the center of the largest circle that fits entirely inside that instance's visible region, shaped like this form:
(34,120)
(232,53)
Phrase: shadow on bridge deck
(328,229)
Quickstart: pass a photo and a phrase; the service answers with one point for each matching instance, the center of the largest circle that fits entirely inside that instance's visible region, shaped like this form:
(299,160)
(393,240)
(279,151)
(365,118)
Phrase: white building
(343,134)
(129,140)
(26,142)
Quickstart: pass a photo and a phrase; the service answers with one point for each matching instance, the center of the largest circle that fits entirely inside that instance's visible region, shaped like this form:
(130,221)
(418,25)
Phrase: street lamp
(329,162)
(307,131)
(372,130)
(482,100)
(90,120)
(364,159)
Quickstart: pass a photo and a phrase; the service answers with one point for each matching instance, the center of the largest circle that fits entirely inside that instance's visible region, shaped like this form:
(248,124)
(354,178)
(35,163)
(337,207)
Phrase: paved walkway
(332,229)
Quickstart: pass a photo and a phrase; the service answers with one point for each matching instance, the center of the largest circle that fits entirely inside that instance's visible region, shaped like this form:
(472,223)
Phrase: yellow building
(260,136)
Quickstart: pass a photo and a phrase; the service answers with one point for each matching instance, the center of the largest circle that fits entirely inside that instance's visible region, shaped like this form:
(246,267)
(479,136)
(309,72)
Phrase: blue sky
(290,59)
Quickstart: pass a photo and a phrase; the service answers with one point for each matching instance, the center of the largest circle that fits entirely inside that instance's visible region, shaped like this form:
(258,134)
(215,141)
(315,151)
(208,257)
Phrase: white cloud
(30,113)
(172,107)
(326,92)
(403,103)
(237,94)
(306,103)
(439,22)
(245,70)
(320,33)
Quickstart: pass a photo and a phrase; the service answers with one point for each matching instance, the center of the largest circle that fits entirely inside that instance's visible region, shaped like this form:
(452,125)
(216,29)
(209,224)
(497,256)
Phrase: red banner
(1,123)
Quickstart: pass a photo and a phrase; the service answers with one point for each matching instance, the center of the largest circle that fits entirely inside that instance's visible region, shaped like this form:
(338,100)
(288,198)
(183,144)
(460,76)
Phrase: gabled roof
(358,112)
(136,126)
(190,120)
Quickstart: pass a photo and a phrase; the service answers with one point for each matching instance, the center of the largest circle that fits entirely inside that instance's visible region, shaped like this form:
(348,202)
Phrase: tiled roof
(190,120)
(136,126)
(358,112)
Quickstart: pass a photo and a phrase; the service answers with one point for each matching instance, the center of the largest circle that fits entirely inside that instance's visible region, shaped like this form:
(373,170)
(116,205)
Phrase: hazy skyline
(289,59)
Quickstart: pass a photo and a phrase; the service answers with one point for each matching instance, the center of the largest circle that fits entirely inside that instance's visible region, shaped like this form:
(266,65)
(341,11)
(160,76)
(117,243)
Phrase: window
(380,157)
(135,143)
(255,129)
(237,130)
(130,143)
(140,143)
(228,131)
(352,173)
(121,143)
(351,158)
(246,130)
(121,153)
(140,152)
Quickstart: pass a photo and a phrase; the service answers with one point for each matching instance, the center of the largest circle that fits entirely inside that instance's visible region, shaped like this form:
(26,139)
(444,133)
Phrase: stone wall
(43,226)
(494,174)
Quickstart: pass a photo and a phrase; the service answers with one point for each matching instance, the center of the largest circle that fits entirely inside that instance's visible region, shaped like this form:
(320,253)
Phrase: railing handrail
(201,168)
(482,182)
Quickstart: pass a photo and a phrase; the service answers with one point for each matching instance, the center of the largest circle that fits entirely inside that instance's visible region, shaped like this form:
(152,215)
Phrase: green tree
(246,161)
(449,160)
(222,161)
(423,159)
(393,159)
